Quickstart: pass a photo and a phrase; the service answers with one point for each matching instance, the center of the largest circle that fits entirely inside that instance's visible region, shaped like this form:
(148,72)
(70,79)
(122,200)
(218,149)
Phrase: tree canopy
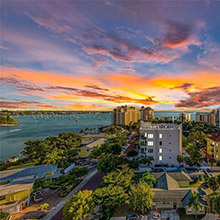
(140,198)
(215,202)
(109,198)
(80,206)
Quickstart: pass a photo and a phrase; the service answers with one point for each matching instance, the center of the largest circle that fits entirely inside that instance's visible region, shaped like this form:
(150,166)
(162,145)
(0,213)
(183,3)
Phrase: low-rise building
(16,186)
(86,150)
(161,143)
(213,146)
(171,193)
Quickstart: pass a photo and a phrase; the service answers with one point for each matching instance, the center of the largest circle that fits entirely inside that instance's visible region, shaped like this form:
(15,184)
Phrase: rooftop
(8,189)
(95,143)
(148,125)
(214,136)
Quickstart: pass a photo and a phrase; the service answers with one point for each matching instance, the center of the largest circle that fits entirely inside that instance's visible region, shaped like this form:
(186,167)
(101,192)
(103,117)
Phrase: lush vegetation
(6,119)
(64,184)
(80,206)
(215,202)
(118,188)
(62,149)
(4,215)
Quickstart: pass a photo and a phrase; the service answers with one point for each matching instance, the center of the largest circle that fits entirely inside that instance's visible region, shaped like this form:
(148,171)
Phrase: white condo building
(162,143)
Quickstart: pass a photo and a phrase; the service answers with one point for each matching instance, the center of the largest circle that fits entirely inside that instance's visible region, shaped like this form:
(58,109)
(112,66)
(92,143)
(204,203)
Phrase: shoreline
(8,125)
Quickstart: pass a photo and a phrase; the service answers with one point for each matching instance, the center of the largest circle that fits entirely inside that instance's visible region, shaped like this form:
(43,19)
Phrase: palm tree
(145,161)
(51,159)
(194,201)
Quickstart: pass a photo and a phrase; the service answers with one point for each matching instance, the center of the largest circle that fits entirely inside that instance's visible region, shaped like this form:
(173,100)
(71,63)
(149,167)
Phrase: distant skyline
(96,55)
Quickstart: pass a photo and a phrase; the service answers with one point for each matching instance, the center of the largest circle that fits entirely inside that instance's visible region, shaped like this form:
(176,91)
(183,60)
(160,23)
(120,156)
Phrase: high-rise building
(167,118)
(146,113)
(217,117)
(184,117)
(161,143)
(206,117)
(124,115)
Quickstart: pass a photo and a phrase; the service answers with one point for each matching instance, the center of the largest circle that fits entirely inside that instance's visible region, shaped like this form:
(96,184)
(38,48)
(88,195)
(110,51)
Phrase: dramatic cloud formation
(98,54)
(204,98)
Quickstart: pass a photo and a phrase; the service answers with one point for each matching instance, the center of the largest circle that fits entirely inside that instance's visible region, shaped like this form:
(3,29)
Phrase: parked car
(131,217)
(37,196)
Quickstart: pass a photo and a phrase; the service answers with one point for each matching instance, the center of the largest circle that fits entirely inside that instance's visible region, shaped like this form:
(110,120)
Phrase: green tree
(218,177)
(195,156)
(109,198)
(180,159)
(148,178)
(140,198)
(107,163)
(132,153)
(197,138)
(43,207)
(212,161)
(51,159)
(79,207)
(194,201)
(213,183)
(145,161)
(119,177)
(215,202)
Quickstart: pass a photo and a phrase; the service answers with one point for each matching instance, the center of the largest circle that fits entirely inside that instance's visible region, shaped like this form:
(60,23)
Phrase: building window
(151,157)
(217,144)
(160,136)
(160,158)
(160,150)
(216,156)
(150,150)
(150,136)
(169,157)
(160,142)
(150,143)
(170,143)
(145,134)
(169,150)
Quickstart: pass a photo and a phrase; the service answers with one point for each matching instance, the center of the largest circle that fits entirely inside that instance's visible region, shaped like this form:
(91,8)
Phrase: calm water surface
(12,139)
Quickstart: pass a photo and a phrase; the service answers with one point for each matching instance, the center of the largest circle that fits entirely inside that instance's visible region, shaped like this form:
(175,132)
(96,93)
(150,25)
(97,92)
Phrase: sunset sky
(96,55)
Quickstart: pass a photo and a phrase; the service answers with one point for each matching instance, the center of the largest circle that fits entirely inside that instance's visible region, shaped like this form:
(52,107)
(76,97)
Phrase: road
(91,184)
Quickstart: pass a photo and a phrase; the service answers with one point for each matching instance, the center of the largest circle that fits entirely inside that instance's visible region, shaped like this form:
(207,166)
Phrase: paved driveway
(171,215)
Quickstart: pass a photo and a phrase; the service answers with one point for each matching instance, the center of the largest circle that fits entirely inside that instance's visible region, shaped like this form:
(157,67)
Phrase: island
(7,120)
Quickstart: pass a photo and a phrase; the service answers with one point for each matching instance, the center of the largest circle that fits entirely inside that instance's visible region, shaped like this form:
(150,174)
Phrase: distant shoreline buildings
(212,117)
(126,115)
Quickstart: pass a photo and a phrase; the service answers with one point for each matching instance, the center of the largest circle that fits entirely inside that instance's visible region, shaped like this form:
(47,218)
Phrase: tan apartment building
(125,115)
(206,117)
(184,117)
(146,113)
(213,146)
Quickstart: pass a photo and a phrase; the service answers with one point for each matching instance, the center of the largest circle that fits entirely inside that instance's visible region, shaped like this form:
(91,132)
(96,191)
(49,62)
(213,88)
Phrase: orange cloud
(109,89)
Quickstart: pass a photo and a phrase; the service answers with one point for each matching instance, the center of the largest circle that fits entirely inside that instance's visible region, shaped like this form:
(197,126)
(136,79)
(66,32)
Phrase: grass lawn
(197,184)
(122,210)
(22,166)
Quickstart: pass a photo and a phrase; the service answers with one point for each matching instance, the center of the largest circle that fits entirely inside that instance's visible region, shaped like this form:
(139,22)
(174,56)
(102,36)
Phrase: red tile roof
(214,136)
